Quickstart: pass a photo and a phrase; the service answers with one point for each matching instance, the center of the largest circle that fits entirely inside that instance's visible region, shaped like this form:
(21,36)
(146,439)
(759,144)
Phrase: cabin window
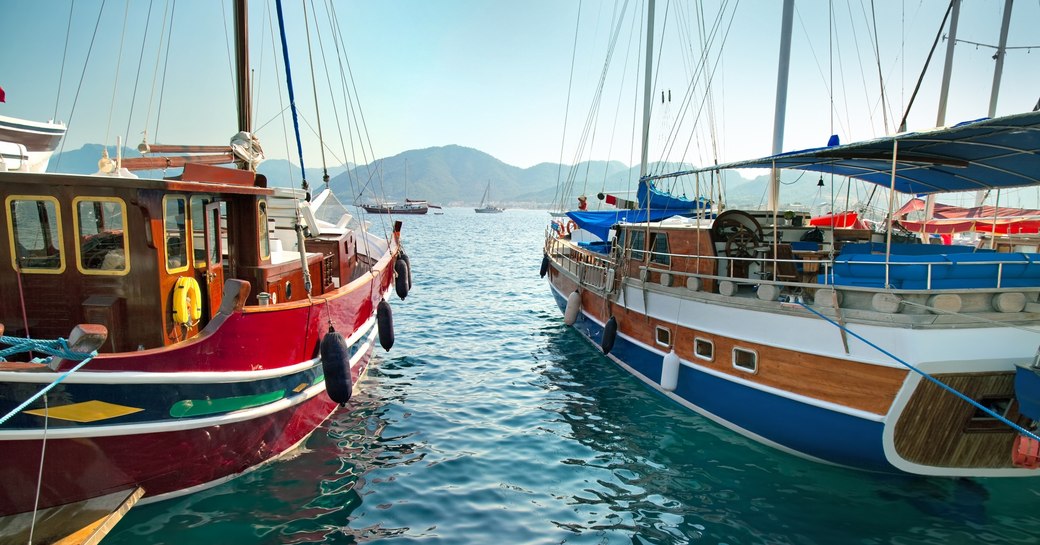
(34,227)
(101,241)
(264,235)
(745,360)
(663,336)
(638,239)
(660,249)
(214,241)
(198,228)
(175,230)
(704,349)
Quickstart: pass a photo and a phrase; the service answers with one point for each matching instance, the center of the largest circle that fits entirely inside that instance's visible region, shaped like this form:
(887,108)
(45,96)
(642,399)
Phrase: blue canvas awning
(599,222)
(994,153)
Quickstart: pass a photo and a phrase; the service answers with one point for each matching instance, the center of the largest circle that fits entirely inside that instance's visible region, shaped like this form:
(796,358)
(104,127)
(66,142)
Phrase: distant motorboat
(486,206)
(408,207)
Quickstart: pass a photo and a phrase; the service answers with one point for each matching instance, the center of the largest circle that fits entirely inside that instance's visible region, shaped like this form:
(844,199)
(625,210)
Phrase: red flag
(611,199)
(2,95)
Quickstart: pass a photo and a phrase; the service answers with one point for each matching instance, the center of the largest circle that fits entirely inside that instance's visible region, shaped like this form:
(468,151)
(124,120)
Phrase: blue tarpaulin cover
(996,153)
(661,200)
(599,222)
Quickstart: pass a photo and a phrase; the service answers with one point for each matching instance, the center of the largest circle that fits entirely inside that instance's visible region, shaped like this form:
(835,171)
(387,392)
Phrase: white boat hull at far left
(27,146)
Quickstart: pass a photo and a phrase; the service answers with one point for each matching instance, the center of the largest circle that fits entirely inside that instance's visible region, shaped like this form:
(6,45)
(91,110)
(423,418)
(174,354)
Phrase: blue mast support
(292,98)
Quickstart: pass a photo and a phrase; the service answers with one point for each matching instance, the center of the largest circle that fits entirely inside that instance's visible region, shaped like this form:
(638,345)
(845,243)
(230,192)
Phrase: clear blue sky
(494,75)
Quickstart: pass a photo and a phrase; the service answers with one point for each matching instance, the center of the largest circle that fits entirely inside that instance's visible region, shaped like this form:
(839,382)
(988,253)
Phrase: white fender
(570,314)
(670,371)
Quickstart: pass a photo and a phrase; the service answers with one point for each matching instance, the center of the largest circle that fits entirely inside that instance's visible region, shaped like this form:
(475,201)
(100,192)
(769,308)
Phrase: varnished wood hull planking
(936,427)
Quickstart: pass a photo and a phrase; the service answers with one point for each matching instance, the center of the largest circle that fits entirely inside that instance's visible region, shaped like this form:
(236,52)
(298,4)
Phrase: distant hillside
(456,175)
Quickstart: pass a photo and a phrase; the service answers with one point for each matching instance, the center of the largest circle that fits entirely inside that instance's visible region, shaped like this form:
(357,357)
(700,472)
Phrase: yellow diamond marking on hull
(88,411)
(300,388)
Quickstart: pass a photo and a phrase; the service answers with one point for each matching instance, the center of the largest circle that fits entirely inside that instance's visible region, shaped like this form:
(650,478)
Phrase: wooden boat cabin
(148,258)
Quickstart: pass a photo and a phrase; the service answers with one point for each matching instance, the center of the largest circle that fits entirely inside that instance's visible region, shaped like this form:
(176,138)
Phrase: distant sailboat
(485,203)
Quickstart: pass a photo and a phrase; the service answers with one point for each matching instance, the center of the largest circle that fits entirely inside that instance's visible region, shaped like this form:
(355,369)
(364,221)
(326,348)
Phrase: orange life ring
(565,228)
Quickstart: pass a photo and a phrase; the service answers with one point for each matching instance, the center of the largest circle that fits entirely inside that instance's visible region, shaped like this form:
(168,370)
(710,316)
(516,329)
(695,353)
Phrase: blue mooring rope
(934,380)
(58,347)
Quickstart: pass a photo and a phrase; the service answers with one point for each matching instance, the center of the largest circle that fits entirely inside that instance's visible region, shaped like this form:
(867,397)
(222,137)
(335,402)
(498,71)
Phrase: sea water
(491,422)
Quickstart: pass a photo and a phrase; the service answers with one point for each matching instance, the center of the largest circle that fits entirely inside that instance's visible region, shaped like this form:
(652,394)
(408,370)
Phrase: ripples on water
(491,422)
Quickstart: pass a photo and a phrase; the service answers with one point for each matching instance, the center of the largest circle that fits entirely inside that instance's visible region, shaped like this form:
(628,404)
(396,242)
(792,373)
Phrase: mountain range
(457,176)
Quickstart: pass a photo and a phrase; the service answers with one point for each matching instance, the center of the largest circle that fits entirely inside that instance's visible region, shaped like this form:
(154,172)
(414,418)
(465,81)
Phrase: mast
(944,91)
(998,71)
(780,112)
(646,86)
(245,109)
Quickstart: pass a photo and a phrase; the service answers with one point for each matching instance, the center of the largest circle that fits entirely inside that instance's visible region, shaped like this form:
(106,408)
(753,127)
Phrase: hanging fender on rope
(404,257)
(187,301)
(545,266)
(401,273)
(570,313)
(335,363)
(385,322)
(670,371)
(609,335)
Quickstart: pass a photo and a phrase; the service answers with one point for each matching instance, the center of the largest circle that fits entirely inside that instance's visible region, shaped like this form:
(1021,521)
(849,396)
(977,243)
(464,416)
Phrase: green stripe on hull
(202,407)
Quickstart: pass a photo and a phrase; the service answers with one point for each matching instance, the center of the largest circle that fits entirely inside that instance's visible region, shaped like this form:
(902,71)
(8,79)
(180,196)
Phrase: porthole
(664,336)
(704,349)
(288,291)
(745,360)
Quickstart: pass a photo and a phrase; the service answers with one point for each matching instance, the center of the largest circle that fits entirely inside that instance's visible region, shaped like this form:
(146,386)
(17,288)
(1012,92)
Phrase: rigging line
(362,127)
(281,98)
(39,474)
(617,110)
(167,11)
(938,34)
(989,46)
(588,134)
(314,88)
(877,59)
(82,75)
(137,77)
(358,113)
(166,66)
(64,55)
(862,71)
(332,93)
(352,180)
(713,133)
(292,98)
(567,107)
(227,46)
(115,80)
(687,101)
(934,380)
(711,76)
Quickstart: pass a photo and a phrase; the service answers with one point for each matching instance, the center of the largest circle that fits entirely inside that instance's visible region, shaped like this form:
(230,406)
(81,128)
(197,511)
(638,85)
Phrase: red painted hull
(268,351)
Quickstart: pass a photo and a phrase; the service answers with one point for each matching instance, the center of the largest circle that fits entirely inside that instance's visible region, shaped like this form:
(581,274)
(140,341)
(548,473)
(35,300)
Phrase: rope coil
(57,347)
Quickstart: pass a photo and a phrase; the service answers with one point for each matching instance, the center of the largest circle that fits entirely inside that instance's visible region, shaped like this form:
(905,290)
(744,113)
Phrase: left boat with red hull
(229,323)
(173,402)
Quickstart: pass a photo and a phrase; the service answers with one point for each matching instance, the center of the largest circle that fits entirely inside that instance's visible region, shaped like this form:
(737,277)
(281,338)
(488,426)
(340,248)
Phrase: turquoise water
(491,422)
